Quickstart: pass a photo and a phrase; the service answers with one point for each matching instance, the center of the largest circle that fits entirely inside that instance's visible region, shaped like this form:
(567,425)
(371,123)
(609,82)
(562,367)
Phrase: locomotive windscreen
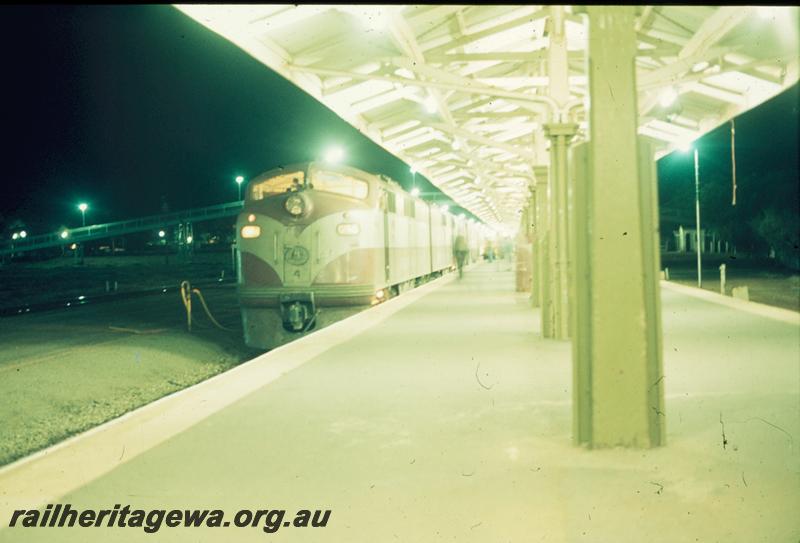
(339,183)
(279,184)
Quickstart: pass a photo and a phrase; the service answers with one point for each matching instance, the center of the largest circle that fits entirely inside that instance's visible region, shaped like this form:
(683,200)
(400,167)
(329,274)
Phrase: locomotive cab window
(279,184)
(339,183)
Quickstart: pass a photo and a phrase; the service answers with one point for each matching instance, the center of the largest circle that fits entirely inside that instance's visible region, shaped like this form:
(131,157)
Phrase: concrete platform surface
(448,419)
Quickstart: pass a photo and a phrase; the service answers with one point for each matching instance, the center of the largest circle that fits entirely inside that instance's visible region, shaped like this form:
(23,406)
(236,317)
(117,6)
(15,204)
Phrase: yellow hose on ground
(186,298)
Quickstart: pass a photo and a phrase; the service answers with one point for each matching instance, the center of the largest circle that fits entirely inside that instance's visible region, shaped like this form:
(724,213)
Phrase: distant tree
(780,231)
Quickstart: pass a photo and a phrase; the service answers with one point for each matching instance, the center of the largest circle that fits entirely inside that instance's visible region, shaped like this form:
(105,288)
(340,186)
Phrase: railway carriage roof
(460,92)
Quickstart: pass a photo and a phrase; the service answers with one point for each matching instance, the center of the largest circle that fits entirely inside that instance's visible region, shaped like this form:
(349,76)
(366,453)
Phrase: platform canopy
(461,92)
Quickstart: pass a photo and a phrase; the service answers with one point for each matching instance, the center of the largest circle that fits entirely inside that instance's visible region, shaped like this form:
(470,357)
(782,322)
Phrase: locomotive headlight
(251,231)
(295,205)
(348,229)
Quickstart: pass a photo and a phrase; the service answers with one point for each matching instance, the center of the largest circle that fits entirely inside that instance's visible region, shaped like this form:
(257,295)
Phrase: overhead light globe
(334,155)
(430,105)
(668,97)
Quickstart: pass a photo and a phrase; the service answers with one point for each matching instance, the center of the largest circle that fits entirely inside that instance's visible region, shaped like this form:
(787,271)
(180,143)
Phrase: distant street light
(23,234)
(161,233)
(697,214)
(14,236)
(239,181)
(83,207)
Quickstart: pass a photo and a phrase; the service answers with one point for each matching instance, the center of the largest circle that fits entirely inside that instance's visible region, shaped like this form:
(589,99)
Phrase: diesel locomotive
(318,242)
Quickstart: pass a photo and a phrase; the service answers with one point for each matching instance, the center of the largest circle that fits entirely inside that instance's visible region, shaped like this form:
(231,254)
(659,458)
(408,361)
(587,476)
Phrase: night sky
(119,106)
(123,106)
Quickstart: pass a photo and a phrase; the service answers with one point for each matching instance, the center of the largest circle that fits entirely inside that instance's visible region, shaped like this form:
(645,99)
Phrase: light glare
(251,231)
(334,155)
(430,105)
(668,97)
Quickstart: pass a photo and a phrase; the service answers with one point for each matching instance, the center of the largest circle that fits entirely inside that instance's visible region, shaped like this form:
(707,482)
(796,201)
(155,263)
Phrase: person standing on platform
(460,249)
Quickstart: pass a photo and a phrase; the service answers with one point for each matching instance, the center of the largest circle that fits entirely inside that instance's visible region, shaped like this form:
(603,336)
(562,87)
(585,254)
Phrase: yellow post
(618,380)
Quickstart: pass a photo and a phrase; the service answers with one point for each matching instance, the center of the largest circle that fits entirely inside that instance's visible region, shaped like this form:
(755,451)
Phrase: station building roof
(461,92)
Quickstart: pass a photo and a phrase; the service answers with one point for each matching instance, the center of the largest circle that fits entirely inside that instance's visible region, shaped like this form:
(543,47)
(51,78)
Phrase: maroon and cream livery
(318,242)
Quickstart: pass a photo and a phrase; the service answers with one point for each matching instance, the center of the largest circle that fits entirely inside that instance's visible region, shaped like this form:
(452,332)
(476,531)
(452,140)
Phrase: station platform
(442,415)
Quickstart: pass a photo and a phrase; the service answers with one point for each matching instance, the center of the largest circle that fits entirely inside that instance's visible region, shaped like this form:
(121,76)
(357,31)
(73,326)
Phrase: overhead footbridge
(67,236)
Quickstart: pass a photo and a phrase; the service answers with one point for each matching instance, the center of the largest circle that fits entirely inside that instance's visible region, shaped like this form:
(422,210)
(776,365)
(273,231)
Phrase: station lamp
(668,97)
(83,207)
(430,105)
(415,192)
(334,155)
(23,234)
(686,147)
(239,181)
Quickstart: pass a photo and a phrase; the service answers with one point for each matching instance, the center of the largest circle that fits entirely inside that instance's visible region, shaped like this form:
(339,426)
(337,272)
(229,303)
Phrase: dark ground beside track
(62,279)
(67,370)
(768,282)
